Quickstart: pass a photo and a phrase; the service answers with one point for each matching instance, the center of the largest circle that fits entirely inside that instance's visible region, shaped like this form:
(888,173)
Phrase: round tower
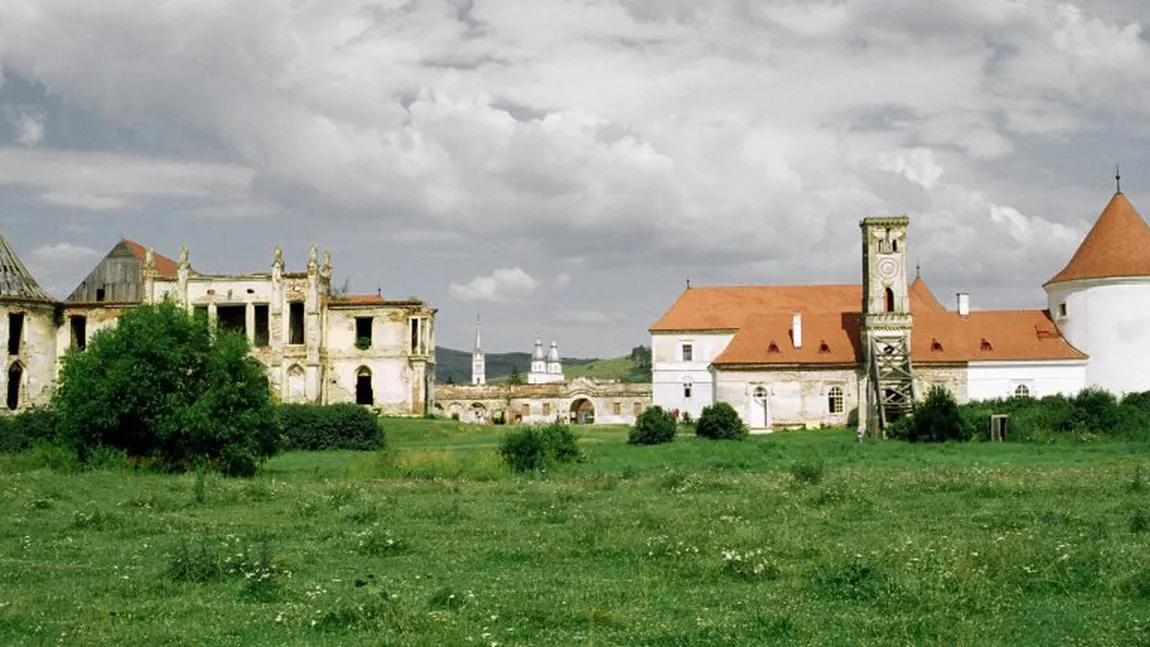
(1101,299)
(554,363)
(538,374)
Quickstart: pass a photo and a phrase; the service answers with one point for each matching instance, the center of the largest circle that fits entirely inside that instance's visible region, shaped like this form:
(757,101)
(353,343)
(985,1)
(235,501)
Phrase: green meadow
(798,538)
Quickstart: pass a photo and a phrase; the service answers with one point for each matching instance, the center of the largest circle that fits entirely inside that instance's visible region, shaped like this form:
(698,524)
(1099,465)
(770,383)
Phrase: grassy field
(796,538)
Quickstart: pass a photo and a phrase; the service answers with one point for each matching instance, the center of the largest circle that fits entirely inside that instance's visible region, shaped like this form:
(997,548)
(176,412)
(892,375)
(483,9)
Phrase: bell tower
(886,322)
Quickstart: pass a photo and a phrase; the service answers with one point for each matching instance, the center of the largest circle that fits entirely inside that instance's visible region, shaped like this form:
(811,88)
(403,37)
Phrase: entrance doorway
(582,412)
(364,394)
(759,415)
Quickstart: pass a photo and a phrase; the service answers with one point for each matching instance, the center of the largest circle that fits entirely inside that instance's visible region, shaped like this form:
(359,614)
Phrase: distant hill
(455,366)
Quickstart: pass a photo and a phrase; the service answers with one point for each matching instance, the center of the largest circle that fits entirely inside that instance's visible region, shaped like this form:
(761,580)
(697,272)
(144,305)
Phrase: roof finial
(917,271)
(688,283)
(1118,177)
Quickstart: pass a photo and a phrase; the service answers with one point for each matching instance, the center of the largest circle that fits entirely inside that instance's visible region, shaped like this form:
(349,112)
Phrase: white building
(546,368)
(788,356)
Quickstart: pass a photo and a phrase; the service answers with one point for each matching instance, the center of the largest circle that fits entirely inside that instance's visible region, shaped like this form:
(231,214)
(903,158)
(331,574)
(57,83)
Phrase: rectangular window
(101,294)
(687,390)
(1062,309)
(295,323)
(79,324)
(688,353)
(525,410)
(233,318)
(363,327)
(546,408)
(263,326)
(15,332)
(617,408)
(638,408)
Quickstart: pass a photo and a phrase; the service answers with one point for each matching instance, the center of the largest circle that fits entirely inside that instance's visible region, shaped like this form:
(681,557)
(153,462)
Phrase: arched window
(364,393)
(760,392)
(835,400)
(889,299)
(687,386)
(1022,391)
(15,376)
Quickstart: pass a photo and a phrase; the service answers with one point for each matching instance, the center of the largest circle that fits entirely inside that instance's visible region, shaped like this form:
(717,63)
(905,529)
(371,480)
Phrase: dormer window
(824,347)
(935,346)
(986,345)
(772,347)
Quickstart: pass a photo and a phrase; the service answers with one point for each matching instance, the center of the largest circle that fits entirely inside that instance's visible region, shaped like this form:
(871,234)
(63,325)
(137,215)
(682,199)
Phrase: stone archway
(477,413)
(582,412)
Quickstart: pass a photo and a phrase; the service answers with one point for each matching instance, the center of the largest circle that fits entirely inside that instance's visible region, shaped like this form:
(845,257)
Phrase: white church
(810,355)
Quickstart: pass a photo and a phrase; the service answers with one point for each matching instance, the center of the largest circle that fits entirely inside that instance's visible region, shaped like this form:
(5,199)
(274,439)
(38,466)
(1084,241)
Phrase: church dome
(1117,246)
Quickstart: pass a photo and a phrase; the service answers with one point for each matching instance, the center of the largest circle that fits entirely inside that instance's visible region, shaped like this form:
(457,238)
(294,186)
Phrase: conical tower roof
(1117,245)
(16,281)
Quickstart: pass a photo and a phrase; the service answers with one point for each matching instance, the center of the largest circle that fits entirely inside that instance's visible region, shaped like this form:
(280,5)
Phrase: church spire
(478,359)
(478,341)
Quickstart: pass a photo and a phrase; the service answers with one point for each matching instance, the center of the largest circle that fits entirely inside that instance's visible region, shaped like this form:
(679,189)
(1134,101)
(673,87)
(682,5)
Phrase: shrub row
(21,431)
(308,427)
(1091,414)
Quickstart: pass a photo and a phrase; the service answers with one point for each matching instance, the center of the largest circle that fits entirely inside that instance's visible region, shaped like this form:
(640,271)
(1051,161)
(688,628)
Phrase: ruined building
(318,346)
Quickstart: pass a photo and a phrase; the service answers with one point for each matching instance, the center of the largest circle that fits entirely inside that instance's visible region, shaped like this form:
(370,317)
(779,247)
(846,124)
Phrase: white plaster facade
(1108,319)
(681,377)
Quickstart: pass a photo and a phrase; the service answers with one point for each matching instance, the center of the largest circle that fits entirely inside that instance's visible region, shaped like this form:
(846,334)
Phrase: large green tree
(164,384)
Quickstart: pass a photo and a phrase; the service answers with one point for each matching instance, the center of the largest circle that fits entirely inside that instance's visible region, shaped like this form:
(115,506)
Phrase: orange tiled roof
(726,308)
(831,324)
(1117,245)
(165,266)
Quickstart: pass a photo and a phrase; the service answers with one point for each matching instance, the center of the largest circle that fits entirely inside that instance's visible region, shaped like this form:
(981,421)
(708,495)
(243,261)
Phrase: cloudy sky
(562,166)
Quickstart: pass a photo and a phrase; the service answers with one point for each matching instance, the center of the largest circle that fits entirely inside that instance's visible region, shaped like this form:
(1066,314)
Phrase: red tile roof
(762,316)
(165,266)
(1117,245)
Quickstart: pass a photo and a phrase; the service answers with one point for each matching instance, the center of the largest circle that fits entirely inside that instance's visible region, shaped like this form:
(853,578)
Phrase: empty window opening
(295,323)
(101,294)
(760,393)
(417,345)
(688,353)
(894,246)
(15,332)
(79,324)
(15,376)
(687,389)
(835,400)
(1022,391)
(364,394)
(888,300)
(263,326)
(363,327)
(233,318)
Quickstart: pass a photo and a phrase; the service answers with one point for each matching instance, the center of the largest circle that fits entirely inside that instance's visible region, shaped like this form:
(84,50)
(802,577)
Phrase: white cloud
(590,317)
(82,201)
(502,286)
(563,279)
(64,253)
(29,128)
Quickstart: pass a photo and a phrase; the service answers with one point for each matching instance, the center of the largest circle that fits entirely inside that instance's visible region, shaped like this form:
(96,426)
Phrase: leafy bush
(653,427)
(21,431)
(164,385)
(312,427)
(560,443)
(534,448)
(1090,415)
(523,450)
(937,419)
(720,421)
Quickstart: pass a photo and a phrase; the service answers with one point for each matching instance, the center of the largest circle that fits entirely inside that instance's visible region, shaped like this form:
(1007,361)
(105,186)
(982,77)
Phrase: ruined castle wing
(16,281)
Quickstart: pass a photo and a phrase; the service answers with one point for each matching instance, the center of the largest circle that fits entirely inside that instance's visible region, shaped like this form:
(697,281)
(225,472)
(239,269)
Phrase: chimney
(797,329)
(963,304)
